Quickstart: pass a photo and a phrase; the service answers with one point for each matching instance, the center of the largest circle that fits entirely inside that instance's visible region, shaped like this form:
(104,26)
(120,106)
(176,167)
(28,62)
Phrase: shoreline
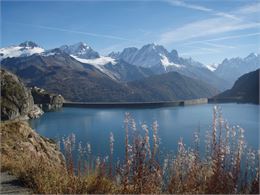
(136,104)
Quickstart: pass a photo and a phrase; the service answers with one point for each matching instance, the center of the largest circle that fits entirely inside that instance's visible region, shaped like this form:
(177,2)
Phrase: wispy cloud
(106,36)
(212,26)
(206,48)
(109,49)
(218,45)
(204,28)
(189,5)
(209,49)
(197,53)
(249,9)
(224,38)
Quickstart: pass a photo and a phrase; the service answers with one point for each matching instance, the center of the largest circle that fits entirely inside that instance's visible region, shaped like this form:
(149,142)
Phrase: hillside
(62,74)
(172,86)
(245,89)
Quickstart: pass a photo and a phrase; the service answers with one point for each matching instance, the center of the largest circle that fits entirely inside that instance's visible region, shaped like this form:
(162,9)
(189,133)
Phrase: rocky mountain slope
(81,50)
(81,74)
(245,89)
(172,86)
(150,59)
(159,60)
(58,72)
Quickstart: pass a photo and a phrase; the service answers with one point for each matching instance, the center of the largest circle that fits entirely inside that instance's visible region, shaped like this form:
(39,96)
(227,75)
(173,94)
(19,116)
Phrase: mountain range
(231,69)
(150,73)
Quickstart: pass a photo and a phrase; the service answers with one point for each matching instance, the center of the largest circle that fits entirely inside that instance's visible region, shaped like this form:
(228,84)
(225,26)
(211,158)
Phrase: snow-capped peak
(251,56)
(81,50)
(24,49)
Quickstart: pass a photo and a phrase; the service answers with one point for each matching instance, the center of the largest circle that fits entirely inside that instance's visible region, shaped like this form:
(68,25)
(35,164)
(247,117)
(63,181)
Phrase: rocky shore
(17,138)
(20,102)
(46,101)
(23,151)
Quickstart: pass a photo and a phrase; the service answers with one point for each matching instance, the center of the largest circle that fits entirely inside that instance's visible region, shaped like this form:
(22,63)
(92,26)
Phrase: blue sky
(206,30)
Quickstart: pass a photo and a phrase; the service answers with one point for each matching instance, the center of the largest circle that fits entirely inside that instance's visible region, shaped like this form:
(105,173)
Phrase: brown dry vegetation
(228,165)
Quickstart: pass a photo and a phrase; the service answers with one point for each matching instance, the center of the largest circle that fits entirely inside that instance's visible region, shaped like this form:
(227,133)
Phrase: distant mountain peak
(81,50)
(252,55)
(28,44)
(114,54)
(231,69)
(155,56)
(81,45)
(153,46)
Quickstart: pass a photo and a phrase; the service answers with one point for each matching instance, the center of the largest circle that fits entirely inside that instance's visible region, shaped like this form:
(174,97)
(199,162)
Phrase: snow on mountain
(101,61)
(212,67)
(81,50)
(166,63)
(24,49)
(99,64)
(150,55)
(154,56)
(160,60)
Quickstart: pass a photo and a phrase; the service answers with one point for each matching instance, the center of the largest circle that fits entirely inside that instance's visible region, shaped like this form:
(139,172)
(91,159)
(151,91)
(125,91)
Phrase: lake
(94,125)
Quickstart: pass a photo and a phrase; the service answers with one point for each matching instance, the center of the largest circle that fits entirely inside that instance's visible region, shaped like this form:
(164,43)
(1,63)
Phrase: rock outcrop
(46,101)
(19,140)
(16,99)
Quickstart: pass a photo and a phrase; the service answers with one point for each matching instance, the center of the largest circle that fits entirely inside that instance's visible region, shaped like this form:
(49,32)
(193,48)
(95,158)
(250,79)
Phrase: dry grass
(228,165)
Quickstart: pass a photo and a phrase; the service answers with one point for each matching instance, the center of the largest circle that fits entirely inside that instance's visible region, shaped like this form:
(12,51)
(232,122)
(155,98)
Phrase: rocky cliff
(46,101)
(16,99)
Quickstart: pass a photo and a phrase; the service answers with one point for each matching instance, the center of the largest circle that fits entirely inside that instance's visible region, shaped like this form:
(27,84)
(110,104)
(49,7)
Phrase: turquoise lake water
(94,125)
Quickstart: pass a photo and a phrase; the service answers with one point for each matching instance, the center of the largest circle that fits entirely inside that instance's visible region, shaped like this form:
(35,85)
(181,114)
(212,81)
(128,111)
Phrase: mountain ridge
(245,90)
(231,69)
(133,63)
(60,73)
